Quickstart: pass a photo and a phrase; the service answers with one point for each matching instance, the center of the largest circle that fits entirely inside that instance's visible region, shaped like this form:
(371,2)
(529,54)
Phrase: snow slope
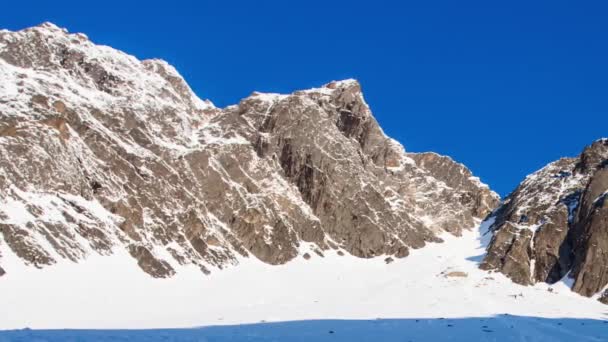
(106,292)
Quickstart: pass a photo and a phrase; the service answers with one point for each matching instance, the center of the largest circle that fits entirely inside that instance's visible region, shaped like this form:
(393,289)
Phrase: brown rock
(154,267)
(8,131)
(456,274)
(510,253)
(590,239)
(22,244)
(562,210)
(40,100)
(157,168)
(402,252)
(457,176)
(60,125)
(59,106)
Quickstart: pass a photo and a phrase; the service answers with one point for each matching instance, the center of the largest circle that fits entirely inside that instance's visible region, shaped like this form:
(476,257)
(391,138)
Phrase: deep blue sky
(504,87)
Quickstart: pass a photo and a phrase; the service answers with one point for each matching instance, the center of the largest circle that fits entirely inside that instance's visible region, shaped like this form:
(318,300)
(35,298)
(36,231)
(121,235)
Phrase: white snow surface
(110,292)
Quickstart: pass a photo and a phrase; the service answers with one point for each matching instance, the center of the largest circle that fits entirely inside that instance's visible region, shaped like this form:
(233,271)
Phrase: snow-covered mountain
(281,207)
(102,152)
(554,226)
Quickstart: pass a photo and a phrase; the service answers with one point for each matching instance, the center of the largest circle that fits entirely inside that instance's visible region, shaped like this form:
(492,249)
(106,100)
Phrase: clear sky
(501,86)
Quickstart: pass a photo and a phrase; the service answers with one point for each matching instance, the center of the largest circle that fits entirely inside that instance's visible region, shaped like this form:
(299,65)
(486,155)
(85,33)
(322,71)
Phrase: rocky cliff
(100,151)
(554,226)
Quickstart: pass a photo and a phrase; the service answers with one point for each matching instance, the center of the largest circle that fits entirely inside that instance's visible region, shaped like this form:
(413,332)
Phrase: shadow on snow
(496,328)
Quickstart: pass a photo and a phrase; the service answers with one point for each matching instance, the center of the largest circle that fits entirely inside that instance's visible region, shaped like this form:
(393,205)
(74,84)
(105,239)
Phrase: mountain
(126,201)
(102,152)
(554,226)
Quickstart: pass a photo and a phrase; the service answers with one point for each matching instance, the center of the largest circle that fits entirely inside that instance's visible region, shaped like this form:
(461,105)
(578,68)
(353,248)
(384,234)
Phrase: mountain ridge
(114,152)
(551,227)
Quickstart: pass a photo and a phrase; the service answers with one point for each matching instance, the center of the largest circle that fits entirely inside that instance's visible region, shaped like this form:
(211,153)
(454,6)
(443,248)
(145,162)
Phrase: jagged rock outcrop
(101,151)
(555,225)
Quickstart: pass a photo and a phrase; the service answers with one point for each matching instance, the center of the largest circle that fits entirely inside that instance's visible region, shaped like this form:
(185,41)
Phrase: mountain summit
(102,152)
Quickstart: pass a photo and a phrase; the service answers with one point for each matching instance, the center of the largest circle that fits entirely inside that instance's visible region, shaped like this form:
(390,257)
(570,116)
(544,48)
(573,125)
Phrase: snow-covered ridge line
(124,66)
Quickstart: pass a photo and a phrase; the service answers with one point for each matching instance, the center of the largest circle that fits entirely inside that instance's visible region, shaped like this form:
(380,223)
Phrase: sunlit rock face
(554,226)
(100,151)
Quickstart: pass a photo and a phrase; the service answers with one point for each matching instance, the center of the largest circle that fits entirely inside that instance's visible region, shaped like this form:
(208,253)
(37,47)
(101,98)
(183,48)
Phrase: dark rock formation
(555,224)
(101,151)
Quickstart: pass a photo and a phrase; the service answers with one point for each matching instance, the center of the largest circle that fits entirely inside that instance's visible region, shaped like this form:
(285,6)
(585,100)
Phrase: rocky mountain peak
(102,152)
(51,73)
(553,226)
(593,156)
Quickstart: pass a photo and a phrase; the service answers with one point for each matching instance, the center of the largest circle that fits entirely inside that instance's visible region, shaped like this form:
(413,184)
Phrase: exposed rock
(456,175)
(306,256)
(402,252)
(604,297)
(556,224)
(121,154)
(590,237)
(388,260)
(24,246)
(456,274)
(510,253)
(150,264)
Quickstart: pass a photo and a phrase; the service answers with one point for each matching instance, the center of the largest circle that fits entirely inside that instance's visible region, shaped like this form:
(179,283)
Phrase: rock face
(101,151)
(555,225)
